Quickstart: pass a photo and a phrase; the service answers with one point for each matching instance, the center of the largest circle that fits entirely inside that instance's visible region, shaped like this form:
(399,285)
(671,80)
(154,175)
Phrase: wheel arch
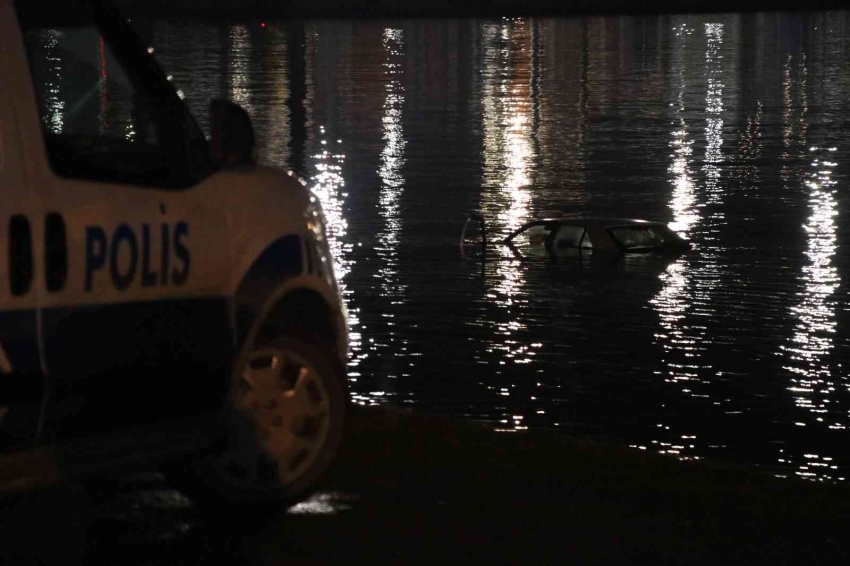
(282,291)
(303,312)
(302,308)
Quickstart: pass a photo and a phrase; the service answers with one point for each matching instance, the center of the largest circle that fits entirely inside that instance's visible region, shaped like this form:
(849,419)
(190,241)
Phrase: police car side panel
(140,326)
(22,383)
(141,329)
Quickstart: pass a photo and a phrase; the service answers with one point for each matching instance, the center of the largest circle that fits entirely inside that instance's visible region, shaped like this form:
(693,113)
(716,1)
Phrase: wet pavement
(417,489)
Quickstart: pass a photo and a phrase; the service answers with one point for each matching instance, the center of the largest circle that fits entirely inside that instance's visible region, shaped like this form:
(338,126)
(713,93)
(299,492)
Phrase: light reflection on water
(672,302)
(55,104)
(814,382)
(681,342)
(327,182)
(326,503)
(702,121)
(507,158)
(393,346)
(240,54)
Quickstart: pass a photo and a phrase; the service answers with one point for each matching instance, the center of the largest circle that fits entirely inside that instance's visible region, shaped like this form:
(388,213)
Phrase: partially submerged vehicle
(565,236)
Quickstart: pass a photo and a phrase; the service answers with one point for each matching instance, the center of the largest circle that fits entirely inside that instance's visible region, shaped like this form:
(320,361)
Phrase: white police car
(161,296)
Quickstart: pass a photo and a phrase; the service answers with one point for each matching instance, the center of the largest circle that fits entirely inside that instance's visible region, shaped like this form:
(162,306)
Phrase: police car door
(135,322)
(21,379)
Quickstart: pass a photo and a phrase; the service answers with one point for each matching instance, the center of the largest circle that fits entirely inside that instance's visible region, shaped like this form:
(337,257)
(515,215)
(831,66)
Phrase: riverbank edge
(401,433)
(424,488)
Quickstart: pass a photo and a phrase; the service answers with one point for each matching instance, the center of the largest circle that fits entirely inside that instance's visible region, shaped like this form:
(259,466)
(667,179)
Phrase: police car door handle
(55,252)
(20,255)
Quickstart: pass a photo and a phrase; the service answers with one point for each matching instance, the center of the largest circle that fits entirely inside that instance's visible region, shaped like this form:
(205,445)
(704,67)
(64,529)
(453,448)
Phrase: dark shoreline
(410,488)
(425,489)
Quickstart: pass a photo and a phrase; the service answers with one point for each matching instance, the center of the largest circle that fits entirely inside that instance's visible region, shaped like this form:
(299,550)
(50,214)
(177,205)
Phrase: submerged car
(569,235)
(617,235)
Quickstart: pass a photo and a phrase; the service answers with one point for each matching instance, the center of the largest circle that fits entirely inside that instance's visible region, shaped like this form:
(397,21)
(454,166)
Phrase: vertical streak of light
(708,278)
(812,341)
(273,124)
(507,123)
(787,126)
(507,146)
(674,301)
(328,184)
(808,352)
(804,98)
(714,113)
(241,53)
(328,165)
(508,155)
(684,297)
(55,114)
(683,199)
(392,155)
(392,187)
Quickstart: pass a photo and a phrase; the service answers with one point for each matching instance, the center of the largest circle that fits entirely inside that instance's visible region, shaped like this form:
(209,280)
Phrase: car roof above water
(602,222)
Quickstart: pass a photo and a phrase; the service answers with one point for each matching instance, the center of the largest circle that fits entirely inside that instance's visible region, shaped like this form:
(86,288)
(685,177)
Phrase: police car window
(100,121)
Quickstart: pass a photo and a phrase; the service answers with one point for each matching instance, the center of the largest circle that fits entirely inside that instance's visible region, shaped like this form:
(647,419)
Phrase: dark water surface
(732,127)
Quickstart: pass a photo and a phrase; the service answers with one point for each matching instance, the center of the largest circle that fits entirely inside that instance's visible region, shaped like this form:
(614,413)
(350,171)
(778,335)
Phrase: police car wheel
(286,418)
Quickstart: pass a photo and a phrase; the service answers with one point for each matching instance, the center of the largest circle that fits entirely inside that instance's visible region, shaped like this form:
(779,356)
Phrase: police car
(162,297)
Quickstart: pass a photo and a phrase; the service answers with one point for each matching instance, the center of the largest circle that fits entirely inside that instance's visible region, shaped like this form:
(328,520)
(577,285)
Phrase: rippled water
(732,127)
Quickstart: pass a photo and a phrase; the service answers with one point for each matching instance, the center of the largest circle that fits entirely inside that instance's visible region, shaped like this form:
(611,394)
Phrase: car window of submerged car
(637,237)
(568,236)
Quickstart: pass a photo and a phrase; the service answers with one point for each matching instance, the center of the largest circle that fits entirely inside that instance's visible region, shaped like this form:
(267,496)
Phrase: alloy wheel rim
(279,424)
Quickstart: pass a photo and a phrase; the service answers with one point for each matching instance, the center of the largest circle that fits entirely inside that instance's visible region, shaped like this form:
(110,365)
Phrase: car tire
(283,426)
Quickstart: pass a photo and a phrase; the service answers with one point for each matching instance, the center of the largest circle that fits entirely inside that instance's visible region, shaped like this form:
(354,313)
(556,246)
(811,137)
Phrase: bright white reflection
(714,112)
(328,184)
(271,118)
(329,503)
(239,57)
(683,200)
(55,106)
(508,160)
(684,298)
(392,188)
(673,302)
(812,467)
(812,342)
(507,148)
(809,350)
(392,157)
(680,447)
